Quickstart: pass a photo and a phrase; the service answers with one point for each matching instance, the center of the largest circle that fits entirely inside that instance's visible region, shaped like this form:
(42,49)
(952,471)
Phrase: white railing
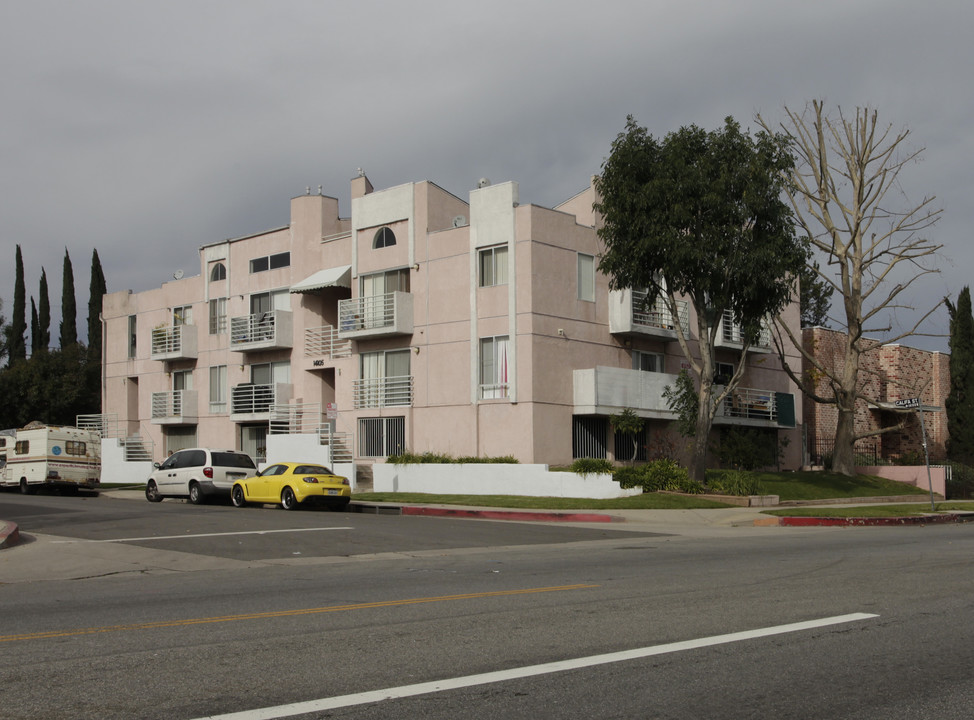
(174,404)
(749,403)
(106,425)
(657,314)
(732,332)
(367,313)
(252,399)
(137,449)
(262,330)
(166,340)
(305,419)
(495,391)
(324,341)
(383,392)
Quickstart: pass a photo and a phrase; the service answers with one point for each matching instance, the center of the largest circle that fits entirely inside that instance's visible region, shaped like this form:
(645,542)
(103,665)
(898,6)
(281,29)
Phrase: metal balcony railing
(657,314)
(732,332)
(383,392)
(173,343)
(324,342)
(261,331)
(174,404)
(250,399)
(750,404)
(307,419)
(367,313)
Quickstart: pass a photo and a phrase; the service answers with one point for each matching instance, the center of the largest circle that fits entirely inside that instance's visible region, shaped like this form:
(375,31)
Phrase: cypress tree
(96,291)
(43,315)
(960,401)
(69,306)
(17,330)
(35,328)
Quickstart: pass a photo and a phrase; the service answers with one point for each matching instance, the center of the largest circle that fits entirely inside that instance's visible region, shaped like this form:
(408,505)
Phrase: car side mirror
(155,465)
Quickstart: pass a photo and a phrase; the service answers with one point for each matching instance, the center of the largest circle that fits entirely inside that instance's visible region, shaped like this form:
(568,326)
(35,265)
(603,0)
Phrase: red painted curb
(510,515)
(876,522)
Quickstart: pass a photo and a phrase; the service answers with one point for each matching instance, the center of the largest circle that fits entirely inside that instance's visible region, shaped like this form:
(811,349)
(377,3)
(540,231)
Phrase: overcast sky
(146,130)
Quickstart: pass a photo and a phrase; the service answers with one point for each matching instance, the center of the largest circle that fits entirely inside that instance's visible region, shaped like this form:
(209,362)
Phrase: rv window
(22,447)
(73,447)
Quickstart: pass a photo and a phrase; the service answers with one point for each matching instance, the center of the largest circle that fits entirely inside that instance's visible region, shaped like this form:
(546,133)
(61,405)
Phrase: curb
(772,521)
(9,534)
(483,514)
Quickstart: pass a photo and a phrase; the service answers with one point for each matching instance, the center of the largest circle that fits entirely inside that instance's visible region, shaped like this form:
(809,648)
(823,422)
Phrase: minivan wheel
(288,501)
(237,496)
(196,495)
(152,492)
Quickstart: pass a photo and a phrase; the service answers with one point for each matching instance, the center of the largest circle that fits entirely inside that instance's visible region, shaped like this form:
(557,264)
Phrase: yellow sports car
(292,484)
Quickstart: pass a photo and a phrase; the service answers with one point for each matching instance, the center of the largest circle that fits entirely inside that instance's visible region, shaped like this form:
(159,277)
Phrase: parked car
(292,484)
(196,473)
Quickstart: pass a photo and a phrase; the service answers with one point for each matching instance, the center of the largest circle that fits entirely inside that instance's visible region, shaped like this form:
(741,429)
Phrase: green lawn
(898,510)
(788,486)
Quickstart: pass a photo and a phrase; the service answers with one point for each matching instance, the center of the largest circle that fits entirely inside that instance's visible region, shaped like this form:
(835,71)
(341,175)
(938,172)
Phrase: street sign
(908,403)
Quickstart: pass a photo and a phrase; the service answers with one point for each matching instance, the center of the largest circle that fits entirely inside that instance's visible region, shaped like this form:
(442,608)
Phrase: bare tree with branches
(842,189)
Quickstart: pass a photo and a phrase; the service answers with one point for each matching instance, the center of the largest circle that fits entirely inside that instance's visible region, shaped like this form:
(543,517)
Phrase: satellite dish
(483,182)
(178,275)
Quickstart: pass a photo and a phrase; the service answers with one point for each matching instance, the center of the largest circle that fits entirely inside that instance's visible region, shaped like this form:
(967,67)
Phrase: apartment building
(423,322)
(887,373)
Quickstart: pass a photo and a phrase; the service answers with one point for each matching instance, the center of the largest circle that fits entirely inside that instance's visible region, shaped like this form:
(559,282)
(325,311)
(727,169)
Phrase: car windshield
(231,459)
(311,470)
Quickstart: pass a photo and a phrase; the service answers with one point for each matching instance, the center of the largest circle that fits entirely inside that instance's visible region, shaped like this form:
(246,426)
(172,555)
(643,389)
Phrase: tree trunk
(698,460)
(843,452)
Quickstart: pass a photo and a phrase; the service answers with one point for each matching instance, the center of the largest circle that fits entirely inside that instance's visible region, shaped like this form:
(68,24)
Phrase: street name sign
(908,403)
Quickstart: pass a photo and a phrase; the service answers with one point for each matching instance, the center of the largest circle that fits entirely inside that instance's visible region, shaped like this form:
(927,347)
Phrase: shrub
(658,475)
(961,483)
(591,466)
(735,482)
(409,458)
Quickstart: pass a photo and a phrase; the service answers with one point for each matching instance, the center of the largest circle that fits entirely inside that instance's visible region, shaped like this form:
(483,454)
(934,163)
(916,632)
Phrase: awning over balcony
(340,276)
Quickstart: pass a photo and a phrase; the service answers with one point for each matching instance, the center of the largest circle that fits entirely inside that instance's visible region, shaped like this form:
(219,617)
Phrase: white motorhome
(54,456)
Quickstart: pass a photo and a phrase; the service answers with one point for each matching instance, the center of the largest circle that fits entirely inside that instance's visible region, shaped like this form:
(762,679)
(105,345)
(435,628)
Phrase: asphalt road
(469,619)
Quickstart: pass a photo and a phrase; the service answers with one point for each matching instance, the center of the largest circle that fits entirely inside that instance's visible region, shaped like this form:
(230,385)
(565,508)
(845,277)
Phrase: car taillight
(208,472)
(312,480)
(344,481)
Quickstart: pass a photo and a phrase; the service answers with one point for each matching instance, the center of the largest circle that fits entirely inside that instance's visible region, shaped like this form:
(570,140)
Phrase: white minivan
(198,472)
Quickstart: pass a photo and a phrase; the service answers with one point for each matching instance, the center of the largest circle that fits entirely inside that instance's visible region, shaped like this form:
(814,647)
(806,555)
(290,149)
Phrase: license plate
(234,476)
(332,492)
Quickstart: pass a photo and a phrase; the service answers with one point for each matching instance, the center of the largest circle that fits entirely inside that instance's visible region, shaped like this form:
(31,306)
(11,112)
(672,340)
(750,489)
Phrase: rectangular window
(182,315)
(494,380)
(723,373)
(384,380)
(218,389)
(218,316)
(647,361)
(74,447)
(179,438)
(493,266)
(253,441)
(270,262)
(22,447)
(133,324)
(586,277)
(384,282)
(381,437)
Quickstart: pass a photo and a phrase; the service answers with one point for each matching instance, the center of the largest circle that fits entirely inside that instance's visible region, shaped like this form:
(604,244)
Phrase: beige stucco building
(422,322)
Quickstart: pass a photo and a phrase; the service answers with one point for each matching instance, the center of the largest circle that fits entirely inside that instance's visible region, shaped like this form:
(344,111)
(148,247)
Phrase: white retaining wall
(494,479)
(116,470)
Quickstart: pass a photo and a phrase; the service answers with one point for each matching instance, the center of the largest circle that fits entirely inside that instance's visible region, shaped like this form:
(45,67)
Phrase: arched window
(384,237)
(219,272)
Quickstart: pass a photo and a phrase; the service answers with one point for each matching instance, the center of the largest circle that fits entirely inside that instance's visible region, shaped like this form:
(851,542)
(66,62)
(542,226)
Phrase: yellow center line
(284,613)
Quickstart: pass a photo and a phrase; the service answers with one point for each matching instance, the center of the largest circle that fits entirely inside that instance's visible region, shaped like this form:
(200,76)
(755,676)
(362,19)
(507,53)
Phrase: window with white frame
(218,272)
(218,389)
(182,315)
(647,361)
(723,373)
(179,438)
(133,326)
(586,277)
(384,237)
(270,262)
(218,316)
(493,266)
(494,380)
(384,282)
(384,379)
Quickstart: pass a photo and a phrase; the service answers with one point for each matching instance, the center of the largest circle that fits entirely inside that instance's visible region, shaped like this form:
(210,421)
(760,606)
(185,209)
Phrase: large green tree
(35,328)
(701,215)
(960,401)
(69,305)
(17,330)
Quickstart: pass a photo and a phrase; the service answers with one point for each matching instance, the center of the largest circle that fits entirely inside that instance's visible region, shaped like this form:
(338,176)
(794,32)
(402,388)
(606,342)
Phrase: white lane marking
(281,711)
(202,535)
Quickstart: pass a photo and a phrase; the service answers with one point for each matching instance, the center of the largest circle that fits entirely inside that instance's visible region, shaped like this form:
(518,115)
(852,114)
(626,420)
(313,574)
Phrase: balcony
(322,344)
(178,407)
(731,335)
(174,343)
(630,314)
(249,402)
(271,330)
(748,406)
(383,392)
(608,390)
(376,316)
